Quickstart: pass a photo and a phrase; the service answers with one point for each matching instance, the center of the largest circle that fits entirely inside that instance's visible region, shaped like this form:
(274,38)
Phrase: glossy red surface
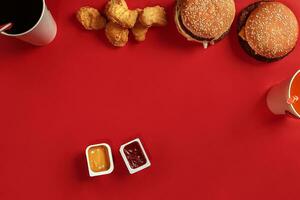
(201,113)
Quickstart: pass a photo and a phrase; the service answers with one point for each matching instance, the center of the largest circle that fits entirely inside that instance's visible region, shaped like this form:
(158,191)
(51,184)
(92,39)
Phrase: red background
(201,115)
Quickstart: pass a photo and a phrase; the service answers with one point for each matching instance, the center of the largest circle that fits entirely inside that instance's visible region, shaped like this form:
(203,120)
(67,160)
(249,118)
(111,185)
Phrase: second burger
(204,21)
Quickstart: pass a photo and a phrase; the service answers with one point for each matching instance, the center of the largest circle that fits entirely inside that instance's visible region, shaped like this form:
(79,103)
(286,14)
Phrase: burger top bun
(208,19)
(271,30)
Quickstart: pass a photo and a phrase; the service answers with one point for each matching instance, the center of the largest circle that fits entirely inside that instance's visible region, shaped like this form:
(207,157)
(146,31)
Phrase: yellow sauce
(242,33)
(98,159)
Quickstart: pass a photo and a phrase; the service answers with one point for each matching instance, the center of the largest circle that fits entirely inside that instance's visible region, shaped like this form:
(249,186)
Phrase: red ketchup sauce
(134,155)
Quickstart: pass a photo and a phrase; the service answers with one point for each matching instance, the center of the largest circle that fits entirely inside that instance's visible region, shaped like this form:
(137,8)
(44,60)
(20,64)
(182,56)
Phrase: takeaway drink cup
(33,22)
(283,98)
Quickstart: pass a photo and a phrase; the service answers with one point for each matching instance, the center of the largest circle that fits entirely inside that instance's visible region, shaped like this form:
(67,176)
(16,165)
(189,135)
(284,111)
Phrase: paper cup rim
(32,28)
(289,92)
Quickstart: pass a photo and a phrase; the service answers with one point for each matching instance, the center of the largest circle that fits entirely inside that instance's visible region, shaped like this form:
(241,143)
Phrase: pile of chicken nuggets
(119,20)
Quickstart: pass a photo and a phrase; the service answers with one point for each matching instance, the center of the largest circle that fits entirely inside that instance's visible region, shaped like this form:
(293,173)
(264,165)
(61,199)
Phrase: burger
(204,21)
(267,30)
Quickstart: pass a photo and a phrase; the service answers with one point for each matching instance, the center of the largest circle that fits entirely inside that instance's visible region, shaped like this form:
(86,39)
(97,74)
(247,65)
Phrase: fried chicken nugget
(139,31)
(118,12)
(116,34)
(153,16)
(90,18)
(119,2)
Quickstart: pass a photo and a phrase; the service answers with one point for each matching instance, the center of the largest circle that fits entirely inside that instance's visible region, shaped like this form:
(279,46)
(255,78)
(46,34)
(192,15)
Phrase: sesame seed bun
(268,30)
(204,21)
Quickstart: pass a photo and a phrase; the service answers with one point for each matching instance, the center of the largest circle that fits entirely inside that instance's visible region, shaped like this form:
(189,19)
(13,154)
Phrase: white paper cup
(42,33)
(277,98)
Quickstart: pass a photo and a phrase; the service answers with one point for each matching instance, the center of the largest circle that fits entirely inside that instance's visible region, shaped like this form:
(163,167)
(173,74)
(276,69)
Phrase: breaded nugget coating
(116,34)
(119,2)
(90,18)
(118,12)
(139,31)
(153,16)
